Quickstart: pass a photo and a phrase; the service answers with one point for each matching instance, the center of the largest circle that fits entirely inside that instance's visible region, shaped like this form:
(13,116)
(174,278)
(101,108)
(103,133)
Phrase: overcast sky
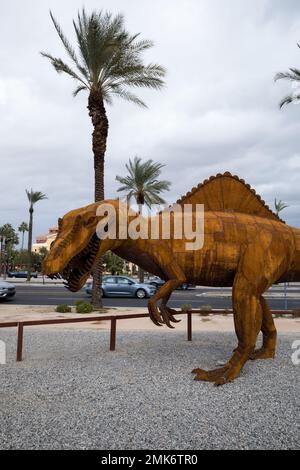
(218,112)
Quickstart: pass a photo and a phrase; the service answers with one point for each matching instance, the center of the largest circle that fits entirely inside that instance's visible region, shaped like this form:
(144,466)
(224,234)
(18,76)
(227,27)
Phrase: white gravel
(70,392)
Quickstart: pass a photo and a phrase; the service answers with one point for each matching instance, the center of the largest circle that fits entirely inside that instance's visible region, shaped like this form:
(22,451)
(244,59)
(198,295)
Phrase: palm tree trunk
(30,243)
(141,273)
(1,255)
(100,122)
(22,246)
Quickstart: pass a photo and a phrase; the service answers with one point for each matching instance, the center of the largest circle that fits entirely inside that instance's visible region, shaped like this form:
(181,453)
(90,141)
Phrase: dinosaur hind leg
(248,322)
(267,351)
(261,263)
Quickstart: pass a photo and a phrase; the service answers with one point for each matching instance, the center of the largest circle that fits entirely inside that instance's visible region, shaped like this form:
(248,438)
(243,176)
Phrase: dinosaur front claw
(167,315)
(161,315)
(154,313)
(171,313)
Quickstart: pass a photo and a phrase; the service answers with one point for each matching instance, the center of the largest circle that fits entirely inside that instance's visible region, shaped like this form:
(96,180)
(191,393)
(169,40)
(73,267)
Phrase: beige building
(44,241)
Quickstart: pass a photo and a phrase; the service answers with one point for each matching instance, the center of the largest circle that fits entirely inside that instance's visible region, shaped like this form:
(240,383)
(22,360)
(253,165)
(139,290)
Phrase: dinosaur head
(77,246)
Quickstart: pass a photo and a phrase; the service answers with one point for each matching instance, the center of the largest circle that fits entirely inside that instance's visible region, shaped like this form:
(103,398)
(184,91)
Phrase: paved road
(54,295)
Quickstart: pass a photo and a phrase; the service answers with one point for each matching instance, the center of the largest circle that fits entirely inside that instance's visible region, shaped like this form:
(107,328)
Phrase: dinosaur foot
(219,376)
(263,353)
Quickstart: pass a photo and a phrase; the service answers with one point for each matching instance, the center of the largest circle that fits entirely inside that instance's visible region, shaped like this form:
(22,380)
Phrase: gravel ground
(70,392)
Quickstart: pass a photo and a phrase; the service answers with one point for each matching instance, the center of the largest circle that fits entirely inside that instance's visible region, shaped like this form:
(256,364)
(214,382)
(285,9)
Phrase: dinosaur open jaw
(77,269)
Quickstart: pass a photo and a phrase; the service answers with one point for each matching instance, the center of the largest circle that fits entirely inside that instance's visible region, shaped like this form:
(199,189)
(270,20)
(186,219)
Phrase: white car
(7,290)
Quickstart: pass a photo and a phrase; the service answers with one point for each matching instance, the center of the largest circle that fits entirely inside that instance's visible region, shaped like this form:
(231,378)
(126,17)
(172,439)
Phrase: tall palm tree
(279,206)
(293,75)
(33,198)
(143,185)
(108,65)
(23,228)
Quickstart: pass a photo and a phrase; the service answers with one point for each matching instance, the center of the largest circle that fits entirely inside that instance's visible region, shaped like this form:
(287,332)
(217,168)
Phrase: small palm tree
(279,206)
(23,228)
(142,185)
(109,64)
(33,198)
(293,76)
(142,182)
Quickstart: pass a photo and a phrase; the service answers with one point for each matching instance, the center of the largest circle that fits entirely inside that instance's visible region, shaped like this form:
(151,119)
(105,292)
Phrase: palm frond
(79,89)
(127,96)
(295,73)
(279,206)
(23,227)
(286,100)
(109,58)
(61,66)
(292,75)
(35,196)
(142,181)
(69,49)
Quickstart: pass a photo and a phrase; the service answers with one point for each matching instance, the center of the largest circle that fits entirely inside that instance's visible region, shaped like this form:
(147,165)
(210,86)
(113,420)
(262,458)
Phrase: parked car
(20,274)
(6,290)
(121,286)
(186,286)
(158,283)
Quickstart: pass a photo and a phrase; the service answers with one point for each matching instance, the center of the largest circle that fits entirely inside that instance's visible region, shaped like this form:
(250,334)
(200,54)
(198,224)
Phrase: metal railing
(113,323)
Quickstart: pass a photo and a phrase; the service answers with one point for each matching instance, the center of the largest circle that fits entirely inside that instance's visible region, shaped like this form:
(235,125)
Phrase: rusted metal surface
(8,324)
(113,332)
(189,326)
(238,241)
(20,342)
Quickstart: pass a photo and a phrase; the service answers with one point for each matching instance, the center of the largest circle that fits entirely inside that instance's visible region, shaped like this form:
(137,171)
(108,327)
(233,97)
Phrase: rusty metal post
(20,342)
(113,328)
(189,326)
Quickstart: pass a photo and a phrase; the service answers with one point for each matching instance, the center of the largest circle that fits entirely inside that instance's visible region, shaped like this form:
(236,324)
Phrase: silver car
(7,290)
(121,286)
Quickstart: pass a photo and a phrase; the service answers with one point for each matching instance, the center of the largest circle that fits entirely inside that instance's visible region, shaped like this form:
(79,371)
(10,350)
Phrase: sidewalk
(11,313)
(36,281)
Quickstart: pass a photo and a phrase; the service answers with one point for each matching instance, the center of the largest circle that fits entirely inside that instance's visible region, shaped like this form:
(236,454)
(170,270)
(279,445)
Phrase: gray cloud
(218,112)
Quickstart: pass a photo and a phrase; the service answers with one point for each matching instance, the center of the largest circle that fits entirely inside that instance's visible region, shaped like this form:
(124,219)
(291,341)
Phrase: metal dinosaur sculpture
(246,246)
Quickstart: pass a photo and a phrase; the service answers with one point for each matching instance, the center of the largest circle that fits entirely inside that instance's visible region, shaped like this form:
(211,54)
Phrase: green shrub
(206,309)
(83,307)
(79,302)
(63,308)
(186,307)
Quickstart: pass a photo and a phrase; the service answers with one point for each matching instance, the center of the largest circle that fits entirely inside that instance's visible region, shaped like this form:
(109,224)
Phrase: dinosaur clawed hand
(167,315)
(219,376)
(162,315)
